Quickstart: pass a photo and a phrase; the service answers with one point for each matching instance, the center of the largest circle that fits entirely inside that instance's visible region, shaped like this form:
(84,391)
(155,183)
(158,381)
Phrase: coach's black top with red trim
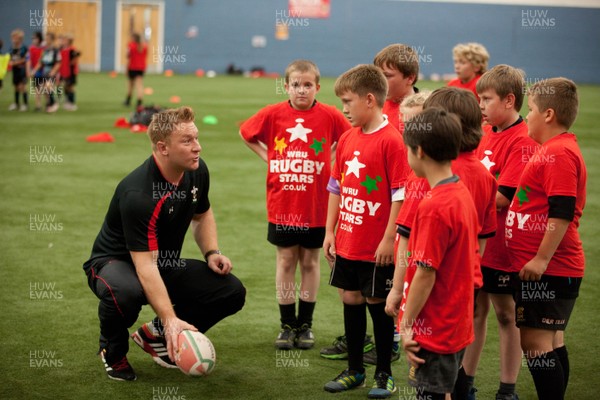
(148,213)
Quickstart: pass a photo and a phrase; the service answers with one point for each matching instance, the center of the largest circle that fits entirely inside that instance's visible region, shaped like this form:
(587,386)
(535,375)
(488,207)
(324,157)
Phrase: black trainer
(286,338)
(119,371)
(339,349)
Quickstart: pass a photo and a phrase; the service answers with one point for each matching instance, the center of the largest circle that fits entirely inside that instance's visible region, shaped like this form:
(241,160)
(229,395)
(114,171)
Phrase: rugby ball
(195,353)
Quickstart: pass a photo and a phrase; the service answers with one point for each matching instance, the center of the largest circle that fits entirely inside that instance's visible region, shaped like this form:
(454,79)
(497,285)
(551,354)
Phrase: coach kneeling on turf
(136,256)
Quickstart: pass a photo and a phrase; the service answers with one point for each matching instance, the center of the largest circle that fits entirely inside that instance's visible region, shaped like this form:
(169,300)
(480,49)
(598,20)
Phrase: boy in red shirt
(504,150)
(400,66)
(437,323)
(470,62)
(136,66)
(36,50)
(541,234)
(69,70)
(366,189)
(296,138)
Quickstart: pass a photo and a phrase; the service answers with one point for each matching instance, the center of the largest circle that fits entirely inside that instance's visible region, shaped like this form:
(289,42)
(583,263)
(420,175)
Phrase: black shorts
(362,276)
(70,81)
(19,76)
(132,74)
(289,235)
(438,374)
(547,303)
(496,281)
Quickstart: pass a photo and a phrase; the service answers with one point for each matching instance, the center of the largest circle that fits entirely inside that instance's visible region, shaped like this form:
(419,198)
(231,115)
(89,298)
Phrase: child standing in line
(296,139)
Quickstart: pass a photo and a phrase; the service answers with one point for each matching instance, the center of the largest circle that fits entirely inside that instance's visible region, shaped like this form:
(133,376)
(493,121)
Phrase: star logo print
(486,160)
(317,145)
(299,132)
(280,145)
(522,195)
(370,183)
(354,165)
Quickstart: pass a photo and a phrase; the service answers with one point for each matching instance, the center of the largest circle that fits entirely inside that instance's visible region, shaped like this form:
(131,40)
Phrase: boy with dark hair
(437,323)
(295,138)
(541,234)
(504,150)
(366,189)
(400,66)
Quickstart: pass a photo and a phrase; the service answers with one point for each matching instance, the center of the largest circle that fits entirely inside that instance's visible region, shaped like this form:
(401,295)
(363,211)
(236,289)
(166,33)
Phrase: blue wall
(356,30)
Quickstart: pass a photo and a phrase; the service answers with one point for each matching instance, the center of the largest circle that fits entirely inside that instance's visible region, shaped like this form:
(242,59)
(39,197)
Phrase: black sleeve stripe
(507,191)
(562,207)
(403,231)
(486,235)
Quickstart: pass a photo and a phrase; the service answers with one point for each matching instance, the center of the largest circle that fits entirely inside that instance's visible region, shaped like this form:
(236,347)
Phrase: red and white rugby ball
(195,353)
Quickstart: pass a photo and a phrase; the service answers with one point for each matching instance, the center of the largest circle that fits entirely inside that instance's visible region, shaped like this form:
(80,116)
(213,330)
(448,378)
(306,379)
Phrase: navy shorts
(362,276)
(438,374)
(132,74)
(547,303)
(288,235)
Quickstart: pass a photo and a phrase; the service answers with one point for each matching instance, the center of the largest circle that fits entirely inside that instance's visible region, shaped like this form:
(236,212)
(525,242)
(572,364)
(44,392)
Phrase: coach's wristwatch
(210,253)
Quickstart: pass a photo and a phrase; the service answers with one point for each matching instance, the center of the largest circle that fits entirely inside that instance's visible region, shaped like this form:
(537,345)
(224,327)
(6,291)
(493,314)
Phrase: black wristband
(210,253)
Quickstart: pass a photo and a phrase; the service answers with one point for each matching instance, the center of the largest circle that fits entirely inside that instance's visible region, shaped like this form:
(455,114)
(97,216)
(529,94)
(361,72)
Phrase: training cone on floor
(102,137)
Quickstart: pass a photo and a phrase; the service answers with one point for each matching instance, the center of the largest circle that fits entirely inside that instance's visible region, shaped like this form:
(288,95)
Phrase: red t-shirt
(480,184)
(505,155)
(445,238)
(35,53)
(367,167)
(392,110)
(299,159)
(556,169)
(471,85)
(67,68)
(137,58)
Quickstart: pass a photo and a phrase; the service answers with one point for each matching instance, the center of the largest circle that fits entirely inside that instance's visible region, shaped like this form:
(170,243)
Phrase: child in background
(137,52)
(470,62)
(437,323)
(18,63)
(68,71)
(296,139)
(366,187)
(400,66)
(48,67)
(541,232)
(35,53)
(4,60)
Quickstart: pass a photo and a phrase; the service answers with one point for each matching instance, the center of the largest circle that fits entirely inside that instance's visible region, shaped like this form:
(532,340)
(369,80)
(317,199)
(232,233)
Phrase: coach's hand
(173,327)
(220,264)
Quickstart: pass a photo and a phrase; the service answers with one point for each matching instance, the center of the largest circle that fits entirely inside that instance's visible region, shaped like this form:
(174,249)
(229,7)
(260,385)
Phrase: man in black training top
(136,256)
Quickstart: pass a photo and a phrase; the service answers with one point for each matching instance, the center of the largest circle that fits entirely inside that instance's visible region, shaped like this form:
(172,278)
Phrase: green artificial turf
(53,209)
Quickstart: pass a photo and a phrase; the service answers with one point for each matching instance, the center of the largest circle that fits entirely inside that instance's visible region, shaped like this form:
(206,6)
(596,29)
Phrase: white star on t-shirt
(354,166)
(486,160)
(299,132)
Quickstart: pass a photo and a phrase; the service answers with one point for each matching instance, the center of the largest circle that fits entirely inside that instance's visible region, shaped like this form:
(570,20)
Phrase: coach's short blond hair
(559,94)
(362,80)
(302,66)
(475,53)
(165,122)
(504,80)
(401,57)
(17,33)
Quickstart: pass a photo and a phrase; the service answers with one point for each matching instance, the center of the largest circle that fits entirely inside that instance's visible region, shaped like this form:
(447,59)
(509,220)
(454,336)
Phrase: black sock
(25,98)
(128,100)
(288,314)
(463,385)
(563,356)
(383,330)
(50,99)
(305,312)
(507,388)
(71,97)
(547,375)
(139,102)
(355,325)
(17,102)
